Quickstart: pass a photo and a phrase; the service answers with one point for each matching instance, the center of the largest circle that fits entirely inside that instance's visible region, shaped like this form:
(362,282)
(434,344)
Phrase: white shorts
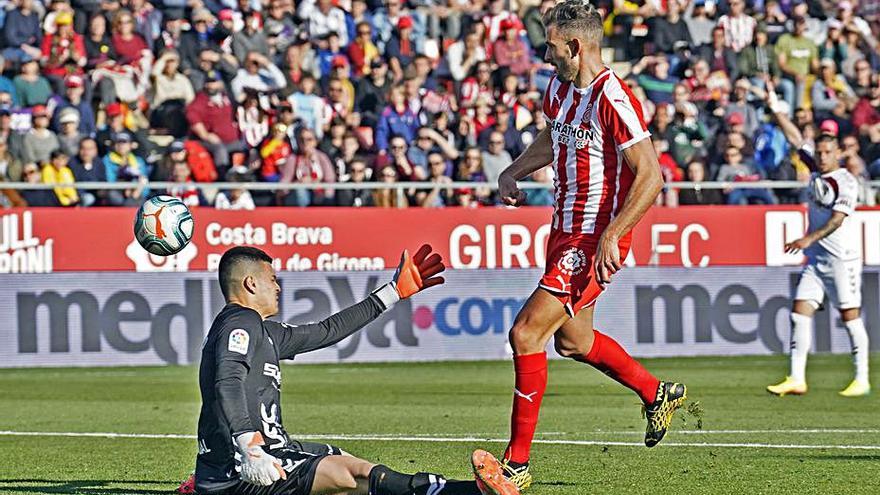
(841,280)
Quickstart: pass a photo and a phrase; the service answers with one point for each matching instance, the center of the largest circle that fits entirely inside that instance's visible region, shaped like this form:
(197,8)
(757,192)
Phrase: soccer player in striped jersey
(607,176)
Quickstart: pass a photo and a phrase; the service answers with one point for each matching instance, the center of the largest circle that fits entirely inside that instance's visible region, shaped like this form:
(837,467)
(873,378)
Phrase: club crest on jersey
(238,341)
(572,261)
(578,134)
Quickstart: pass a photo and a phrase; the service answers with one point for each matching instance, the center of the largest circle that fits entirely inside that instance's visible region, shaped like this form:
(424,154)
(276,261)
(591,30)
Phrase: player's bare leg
(795,383)
(578,340)
(536,322)
(342,474)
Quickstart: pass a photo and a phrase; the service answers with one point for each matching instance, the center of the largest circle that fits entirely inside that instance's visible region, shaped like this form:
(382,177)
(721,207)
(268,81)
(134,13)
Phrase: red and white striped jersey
(590,128)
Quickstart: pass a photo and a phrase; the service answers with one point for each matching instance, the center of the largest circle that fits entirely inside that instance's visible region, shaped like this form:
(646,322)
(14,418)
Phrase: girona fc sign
(572,262)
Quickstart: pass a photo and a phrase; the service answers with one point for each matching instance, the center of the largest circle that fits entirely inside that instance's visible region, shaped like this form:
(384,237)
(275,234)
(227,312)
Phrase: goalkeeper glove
(258,467)
(414,273)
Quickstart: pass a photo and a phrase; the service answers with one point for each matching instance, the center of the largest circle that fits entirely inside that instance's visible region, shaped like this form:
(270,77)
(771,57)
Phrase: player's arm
(822,232)
(792,133)
(234,352)
(641,158)
(414,273)
(538,155)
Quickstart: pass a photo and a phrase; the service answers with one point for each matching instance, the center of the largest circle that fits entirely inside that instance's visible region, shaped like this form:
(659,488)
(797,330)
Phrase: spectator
(831,96)
(172,91)
(696,172)
(131,48)
(510,51)
(309,107)
(866,114)
(36,197)
(326,18)
(56,171)
(371,93)
(862,78)
(759,62)
(298,62)
(236,198)
(737,27)
(39,142)
(658,84)
(797,55)
(251,39)
(478,86)
(189,194)
(31,88)
(275,151)
(389,198)
(720,57)
(397,157)
(357,174)
(211,120)
(69,135)
(198,39)
(464,54)
(74,88)
(10,166)
(64,52)
(22,33)
(396,119)
(496,158)
(739,104)
(669,171)
(122,165)
(308,166)
(258,74)
(440,194)
(700,26)
(534,25)
(175,153)
(402,47)
(671,31)
(148,20)
(541,196)
(736,170)
(99,46)
(362,51)
(170,36)
(252,120)
(513,142)
(87,167)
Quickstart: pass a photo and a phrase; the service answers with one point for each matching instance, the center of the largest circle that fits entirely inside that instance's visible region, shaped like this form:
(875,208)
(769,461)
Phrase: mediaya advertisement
(115,319)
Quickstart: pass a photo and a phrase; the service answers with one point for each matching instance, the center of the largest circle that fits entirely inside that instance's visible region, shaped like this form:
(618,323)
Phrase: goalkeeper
(243,446)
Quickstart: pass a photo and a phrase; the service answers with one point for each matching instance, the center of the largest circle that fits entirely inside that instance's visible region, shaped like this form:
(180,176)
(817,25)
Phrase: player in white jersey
(607,176)
(834,265)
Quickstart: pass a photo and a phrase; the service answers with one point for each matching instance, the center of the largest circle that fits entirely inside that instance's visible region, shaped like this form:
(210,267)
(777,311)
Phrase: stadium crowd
(433,91)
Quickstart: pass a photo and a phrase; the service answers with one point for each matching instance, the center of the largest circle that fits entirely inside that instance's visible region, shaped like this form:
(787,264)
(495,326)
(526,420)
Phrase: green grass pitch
(745,446)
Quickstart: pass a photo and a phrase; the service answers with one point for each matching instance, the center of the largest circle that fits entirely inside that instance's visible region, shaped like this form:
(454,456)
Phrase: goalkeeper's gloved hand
(414,273)
(258,467)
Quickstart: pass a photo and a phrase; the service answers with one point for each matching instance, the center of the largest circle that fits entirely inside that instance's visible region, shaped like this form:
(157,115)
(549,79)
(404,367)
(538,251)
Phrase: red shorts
(570,272)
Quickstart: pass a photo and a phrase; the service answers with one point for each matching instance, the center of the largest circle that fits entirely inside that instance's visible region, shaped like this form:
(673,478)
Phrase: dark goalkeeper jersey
(240,380)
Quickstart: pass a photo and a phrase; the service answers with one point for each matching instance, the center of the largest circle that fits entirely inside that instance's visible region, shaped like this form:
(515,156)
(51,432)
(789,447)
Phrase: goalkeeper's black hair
(234,256)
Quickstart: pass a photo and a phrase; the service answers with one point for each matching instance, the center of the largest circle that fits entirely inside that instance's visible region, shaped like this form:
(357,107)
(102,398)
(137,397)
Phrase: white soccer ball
(163,225)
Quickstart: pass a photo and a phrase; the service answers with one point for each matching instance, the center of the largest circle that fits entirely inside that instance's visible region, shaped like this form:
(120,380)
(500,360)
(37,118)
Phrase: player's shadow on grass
(77,487)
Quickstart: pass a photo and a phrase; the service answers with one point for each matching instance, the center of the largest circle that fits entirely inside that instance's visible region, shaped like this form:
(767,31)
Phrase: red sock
(607,356)
(531,380)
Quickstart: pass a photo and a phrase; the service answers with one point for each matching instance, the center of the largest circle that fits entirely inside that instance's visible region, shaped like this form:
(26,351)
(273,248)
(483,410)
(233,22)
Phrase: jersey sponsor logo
(580,135)
(272,371)
(572,261)
(238,341)
(271,426)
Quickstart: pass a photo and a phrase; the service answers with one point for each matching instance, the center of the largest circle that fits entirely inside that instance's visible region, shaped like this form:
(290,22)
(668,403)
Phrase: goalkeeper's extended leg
(345,474)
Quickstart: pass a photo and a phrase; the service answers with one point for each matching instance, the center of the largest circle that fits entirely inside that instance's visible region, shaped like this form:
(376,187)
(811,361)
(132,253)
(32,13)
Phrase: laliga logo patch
(238,341)
(572,262)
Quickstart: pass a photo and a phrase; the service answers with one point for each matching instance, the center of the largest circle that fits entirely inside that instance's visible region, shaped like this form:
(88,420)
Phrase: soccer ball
(163,225)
